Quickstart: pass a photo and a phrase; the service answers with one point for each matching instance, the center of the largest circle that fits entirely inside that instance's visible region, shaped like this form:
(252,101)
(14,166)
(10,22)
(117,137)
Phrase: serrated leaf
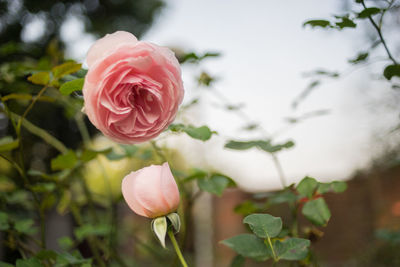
(292,248)
(72,86)
(201,133)
(7,143)
(65,69)
(159,227)
(64,161)
(368,12)
(216,184)
(264,225)
(307,186)
(317,23)
(317,211)
(248,245)
(391,71)
(40,78)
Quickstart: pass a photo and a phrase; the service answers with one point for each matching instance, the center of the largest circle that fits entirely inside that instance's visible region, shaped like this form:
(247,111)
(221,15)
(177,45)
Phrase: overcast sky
(265,51)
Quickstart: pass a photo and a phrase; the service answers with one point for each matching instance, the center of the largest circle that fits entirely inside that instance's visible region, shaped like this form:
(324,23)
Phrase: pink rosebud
(132,89)
(151,191)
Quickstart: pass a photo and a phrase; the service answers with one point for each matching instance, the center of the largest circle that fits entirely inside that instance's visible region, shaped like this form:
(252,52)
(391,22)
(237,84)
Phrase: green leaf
(317,23)
(307,187)
(345,23)
(202,133)
(391,71)
(216,184)
(4,225)
(292,248)
(247,207)
(285,196)
(43,187)
(261,144)
(335,186)
(339,186)
(64,161)
(65,69)
(67,259)
(8,143)
(65,242)
(238,261)
(159,228)
(359,58)
(88,154)
(248,245)
(317,212)
(72,86)
(46,255)
(32,262)
(264,225)
(368,12)
(91,230)
(5,264)
(40,78)
(25,226)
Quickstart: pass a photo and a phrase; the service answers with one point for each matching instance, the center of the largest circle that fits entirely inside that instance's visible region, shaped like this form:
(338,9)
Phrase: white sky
(265,51)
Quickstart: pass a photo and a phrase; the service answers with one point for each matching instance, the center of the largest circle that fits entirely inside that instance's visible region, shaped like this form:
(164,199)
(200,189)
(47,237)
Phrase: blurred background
(265,76)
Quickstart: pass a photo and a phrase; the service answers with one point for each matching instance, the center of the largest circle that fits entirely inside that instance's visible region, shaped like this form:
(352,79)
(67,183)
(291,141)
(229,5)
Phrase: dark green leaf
(317,23)
(40,78)
(307,187)
(46,255)
(67,259)
(8,143)
(261,144)
(32,262)
(202,133)
(359,58)
(369,11)
(5,264)
(238,145)
(391,71)
(346,23)
(64,161)
(238,261)
(4,221)
(317,211)
(248,245)
(292,248)
(65,69)
(72,86)
(264,225)
(216,184)
(246,208)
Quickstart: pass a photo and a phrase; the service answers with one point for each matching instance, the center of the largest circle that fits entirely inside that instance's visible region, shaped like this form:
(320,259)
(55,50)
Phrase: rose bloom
(132,89)
(152,191)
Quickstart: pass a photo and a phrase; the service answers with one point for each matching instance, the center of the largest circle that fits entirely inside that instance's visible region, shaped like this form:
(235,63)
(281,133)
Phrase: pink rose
(132,89)
(151,191)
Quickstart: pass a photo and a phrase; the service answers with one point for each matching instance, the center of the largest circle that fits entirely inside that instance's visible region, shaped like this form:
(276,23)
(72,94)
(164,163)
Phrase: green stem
(279,169)
(177,249)
(272,248)
(378,30)
(43,134)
